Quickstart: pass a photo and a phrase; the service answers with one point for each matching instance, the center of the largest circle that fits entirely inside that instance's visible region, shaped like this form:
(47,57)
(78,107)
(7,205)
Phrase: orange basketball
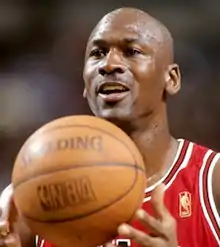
(76,179)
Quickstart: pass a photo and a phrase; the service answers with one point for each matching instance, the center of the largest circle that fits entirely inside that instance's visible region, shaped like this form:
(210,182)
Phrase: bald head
(146,27)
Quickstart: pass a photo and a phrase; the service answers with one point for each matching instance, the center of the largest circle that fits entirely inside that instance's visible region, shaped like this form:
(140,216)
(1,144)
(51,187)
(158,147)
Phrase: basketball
(76,179)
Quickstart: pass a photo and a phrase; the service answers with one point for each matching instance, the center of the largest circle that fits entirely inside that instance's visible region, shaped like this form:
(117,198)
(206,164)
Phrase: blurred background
(42,45)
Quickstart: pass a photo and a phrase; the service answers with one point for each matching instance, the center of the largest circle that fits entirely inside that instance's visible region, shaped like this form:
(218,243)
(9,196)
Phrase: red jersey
(188,197)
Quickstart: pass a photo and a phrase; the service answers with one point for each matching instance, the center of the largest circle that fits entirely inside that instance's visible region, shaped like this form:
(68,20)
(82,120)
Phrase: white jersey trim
(42,243)
(211,199)
(210,191)
(183,165)
(181,142)
(36,240)
(39,243)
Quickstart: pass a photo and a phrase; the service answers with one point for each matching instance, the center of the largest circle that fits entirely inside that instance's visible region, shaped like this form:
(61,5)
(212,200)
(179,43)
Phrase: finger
(109,245)
(157,202)
(4,228)
(13,215)
(6,199)
(2,243)
(6,205)
(139,237)
(10,241)
(149,222)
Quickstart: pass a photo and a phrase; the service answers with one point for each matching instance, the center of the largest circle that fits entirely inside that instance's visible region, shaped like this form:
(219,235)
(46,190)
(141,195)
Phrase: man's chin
(121,119)
(114,115)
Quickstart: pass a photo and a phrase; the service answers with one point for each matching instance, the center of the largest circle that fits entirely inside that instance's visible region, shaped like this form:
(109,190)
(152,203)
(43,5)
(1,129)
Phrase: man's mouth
(113,91)
(112,87)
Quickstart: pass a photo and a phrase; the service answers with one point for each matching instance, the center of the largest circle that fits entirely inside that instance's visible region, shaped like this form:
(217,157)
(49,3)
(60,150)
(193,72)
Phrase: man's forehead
(135,29)
(133,24)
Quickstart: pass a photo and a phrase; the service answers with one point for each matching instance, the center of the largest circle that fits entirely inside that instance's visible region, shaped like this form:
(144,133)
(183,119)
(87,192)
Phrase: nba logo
(185,204)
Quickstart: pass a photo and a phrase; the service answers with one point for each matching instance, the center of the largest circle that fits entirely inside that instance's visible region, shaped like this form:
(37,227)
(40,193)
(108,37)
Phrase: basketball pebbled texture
(76,179)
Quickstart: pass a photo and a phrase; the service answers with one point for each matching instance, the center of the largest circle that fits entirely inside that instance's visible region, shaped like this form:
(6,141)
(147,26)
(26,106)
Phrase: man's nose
(112,64)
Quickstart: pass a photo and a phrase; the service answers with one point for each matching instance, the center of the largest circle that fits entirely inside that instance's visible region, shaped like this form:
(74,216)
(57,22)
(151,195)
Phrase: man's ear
(84,93)
(173,79)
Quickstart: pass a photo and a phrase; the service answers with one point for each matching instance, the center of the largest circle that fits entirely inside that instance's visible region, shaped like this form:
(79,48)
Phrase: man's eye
(133,52)
(97,53)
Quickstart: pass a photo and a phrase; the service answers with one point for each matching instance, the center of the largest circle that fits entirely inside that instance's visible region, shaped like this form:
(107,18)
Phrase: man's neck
(156,145)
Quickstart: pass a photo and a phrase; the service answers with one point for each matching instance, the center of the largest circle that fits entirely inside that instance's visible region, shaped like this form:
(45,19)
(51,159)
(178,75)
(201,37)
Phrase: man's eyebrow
(102,42)
(98,42)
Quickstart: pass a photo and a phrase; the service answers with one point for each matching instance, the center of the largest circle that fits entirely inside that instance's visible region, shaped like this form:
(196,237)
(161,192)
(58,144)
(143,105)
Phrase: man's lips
(112,91)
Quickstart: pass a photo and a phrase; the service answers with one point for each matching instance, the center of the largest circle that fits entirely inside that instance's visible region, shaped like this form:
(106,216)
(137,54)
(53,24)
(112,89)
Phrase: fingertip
(123,229)
(140,214)
(158,193)
(109,245)
(4,228)
(163,187)
(160,188)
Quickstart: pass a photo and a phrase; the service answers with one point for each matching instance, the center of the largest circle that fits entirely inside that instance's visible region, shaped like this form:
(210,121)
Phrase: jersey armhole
(206,193)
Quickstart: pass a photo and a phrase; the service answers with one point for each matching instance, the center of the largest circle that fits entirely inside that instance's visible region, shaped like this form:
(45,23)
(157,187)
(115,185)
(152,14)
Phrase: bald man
(129,72)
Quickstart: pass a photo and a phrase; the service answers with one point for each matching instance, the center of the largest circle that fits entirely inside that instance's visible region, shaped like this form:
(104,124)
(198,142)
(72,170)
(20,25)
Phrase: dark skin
(146,65)
(131,47)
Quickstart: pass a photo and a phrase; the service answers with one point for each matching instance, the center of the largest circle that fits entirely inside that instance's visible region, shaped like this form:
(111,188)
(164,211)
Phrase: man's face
(124,73)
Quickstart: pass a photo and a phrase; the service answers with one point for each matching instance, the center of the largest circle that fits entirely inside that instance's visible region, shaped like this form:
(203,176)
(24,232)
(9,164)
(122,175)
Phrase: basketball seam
(69,167)
(89,127)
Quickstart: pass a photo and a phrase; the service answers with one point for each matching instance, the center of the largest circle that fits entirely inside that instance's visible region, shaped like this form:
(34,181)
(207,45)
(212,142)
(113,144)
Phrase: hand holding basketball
(9,237)
(162,228)
(77,179)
